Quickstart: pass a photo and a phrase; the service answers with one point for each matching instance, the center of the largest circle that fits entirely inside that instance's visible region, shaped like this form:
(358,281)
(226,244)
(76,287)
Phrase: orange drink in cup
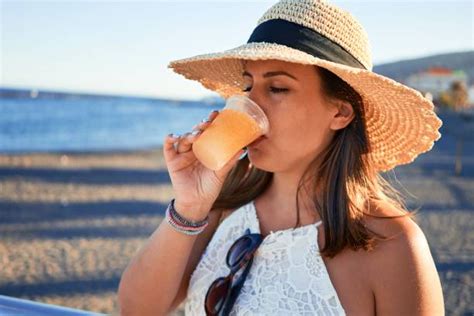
(238,124)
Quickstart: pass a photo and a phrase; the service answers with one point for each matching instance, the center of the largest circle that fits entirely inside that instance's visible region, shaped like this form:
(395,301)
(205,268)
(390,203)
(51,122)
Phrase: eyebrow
(271,74)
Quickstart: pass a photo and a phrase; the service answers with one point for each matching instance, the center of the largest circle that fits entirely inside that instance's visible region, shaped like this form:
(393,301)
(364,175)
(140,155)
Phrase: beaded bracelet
(181,229)
(184,231)
(183,220)
(182,225)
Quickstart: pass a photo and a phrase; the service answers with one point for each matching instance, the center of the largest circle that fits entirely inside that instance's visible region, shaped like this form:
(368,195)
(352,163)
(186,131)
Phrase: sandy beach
(70,222)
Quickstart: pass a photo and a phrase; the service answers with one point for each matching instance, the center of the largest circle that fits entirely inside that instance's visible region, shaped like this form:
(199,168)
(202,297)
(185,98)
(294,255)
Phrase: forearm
(151,281)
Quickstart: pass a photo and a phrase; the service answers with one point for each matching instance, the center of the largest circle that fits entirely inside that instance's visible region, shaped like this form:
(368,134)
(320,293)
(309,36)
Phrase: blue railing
(12,306)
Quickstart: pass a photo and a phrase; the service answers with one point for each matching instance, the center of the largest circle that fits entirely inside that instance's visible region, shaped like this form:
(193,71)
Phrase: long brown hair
(344,182)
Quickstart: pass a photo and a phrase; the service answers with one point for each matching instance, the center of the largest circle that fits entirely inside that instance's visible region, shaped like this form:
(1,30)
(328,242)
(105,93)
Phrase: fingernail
(195,133)
(205,121)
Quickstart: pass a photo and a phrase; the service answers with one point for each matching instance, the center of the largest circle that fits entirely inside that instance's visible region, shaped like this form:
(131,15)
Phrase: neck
(280,196)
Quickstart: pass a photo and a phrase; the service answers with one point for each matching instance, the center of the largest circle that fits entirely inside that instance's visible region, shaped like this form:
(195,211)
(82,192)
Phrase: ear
(343,114)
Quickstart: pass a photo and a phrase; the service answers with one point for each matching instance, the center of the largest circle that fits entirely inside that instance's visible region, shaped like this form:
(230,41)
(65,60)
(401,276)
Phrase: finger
(206,122)
(169,150)
(213,115)
(185,142)
(202,126)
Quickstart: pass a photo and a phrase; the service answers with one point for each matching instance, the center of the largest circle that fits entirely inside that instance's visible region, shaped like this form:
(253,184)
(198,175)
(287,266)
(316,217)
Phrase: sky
(124,47)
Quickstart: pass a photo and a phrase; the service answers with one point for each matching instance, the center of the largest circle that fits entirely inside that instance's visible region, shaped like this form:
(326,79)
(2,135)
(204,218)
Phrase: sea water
(36,125)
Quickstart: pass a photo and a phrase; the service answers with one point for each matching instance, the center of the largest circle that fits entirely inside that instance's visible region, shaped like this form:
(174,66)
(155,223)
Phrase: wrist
(194,213)
(182,224)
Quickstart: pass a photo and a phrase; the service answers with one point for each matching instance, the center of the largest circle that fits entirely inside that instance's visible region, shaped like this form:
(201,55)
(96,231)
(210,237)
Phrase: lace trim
(298,230)
(288,276)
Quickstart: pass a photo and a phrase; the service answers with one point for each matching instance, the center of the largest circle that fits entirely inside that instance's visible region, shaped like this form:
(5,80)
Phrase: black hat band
(296,36)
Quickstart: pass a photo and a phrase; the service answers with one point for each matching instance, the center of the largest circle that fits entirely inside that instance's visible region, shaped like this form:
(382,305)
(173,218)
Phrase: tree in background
(456,97)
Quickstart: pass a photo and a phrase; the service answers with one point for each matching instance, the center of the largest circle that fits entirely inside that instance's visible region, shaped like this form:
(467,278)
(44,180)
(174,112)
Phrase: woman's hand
(195,186)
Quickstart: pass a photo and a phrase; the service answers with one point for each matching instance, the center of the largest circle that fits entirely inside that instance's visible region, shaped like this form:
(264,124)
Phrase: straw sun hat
(400,122)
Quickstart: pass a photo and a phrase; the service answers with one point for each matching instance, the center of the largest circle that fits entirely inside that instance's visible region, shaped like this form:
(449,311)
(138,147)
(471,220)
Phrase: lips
(257,141)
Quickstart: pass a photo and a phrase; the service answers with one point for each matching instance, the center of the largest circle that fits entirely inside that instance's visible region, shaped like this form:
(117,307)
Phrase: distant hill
(19,93)
(400,70)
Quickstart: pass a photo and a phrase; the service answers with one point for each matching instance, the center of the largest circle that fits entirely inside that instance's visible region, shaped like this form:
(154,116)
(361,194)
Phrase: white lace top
(287,276)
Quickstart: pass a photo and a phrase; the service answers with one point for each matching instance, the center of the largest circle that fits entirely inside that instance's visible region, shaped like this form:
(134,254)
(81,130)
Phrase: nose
(253,95)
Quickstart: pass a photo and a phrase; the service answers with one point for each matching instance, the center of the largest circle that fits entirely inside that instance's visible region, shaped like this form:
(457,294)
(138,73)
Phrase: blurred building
(470,93)
(436,80)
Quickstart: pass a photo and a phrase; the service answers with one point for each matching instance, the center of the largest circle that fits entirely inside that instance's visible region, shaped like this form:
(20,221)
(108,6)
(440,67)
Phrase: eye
(272,89)
(278,90)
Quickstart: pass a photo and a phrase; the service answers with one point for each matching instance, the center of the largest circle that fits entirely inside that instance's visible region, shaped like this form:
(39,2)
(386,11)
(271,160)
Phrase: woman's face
(301,120)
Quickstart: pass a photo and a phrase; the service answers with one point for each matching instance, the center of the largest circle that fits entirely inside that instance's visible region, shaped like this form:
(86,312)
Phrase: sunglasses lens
(216,295)
(239,250)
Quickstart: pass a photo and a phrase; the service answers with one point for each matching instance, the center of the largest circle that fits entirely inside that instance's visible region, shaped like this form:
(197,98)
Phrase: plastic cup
(238,124)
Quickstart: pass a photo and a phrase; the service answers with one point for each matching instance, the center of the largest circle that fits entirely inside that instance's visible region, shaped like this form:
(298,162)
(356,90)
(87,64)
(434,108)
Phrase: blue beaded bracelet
(184,221)
(180,229)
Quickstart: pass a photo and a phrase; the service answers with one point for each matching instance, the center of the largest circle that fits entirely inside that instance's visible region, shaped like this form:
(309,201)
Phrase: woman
(334,125)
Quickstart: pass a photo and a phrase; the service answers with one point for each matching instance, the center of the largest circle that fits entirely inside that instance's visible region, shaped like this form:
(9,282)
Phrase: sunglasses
(223,292)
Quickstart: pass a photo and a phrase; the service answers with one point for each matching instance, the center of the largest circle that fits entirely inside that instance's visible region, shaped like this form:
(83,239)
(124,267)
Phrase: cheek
(301,139)
(301,127)
(292,141)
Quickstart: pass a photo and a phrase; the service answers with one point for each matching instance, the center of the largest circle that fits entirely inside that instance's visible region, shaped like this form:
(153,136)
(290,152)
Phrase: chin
(257,159)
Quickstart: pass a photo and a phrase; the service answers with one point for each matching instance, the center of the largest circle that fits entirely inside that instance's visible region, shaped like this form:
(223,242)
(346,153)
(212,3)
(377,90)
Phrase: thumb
(222,173)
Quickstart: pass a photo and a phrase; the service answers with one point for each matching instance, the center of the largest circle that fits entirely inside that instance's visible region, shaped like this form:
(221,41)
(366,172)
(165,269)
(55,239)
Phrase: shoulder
(404,277)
